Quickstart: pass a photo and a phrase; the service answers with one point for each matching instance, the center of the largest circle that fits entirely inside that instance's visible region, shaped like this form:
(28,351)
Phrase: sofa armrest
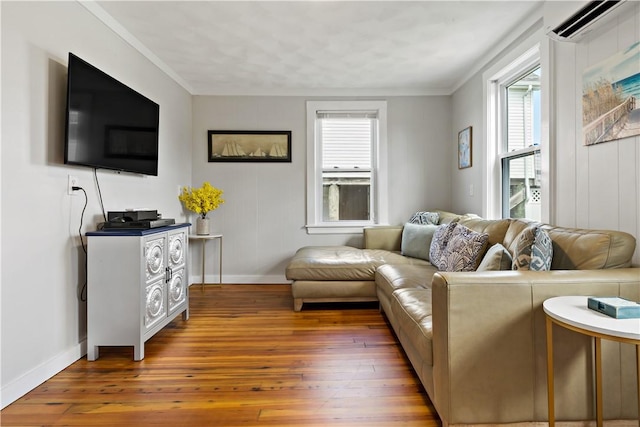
(383,237)
(489,346)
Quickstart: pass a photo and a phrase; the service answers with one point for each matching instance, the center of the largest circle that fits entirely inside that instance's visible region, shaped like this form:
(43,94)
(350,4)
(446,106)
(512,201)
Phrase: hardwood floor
(244,358)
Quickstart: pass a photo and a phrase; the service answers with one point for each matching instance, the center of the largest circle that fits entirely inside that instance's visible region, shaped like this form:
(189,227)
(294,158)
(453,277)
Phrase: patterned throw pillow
(534,250)
(425,218)
(439,241)
(496,258)
(522,252)
(541,252)
(463,250)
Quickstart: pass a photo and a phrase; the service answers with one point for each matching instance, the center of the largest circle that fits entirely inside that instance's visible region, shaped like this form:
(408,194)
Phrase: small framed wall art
(464,148)
(249,146)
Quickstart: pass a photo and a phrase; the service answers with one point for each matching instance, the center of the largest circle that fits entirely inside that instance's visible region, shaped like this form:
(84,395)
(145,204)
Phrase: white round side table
(571,312)
(203,238)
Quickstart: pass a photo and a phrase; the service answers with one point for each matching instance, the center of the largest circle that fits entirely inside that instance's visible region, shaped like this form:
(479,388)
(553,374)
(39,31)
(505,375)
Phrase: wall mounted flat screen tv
(108,124)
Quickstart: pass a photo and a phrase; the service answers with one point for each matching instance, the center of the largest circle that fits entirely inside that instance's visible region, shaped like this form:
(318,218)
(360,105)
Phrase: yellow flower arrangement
(201,200)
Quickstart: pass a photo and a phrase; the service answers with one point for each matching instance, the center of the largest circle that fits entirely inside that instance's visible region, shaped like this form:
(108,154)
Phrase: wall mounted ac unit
(570,21)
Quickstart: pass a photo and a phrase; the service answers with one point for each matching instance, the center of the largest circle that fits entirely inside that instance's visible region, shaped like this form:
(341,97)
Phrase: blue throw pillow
(416,240)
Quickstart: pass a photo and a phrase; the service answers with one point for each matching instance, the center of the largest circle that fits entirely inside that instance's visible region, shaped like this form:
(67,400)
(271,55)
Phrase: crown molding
(95,9)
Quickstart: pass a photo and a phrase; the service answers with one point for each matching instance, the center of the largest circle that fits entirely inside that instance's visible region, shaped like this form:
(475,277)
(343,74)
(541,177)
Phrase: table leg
(204,243)
(598,382)
(550,384)
(220,258)
(638,379)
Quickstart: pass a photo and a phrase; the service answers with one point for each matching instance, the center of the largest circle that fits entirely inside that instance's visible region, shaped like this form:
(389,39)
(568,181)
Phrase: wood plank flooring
(244,358)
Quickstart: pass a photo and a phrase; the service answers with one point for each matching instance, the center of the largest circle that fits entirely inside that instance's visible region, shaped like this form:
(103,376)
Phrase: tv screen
(108,124)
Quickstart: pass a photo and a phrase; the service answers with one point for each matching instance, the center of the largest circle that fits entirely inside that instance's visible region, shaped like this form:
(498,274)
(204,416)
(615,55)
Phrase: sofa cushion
(457,248)
(341,263)
(516,226)
(534,250)
(411,309)
(416,240)
(495,228)
(447,217)
(425,218)
(390,278)
(496,258)
(582,249)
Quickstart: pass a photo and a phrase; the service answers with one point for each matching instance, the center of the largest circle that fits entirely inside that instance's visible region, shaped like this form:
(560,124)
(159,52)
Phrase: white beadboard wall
(597,186)
(263,216)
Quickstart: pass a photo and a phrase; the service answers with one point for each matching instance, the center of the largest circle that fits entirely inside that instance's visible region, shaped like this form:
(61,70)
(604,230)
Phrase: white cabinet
(137,282)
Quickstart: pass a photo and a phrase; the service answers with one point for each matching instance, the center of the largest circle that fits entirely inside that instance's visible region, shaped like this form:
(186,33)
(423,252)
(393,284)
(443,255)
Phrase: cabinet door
(154,252)
(177,289)
(155,308)
(177,284)
(177,248)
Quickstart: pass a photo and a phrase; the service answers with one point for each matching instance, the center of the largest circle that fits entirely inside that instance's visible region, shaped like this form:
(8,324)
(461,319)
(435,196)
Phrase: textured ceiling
(265,47)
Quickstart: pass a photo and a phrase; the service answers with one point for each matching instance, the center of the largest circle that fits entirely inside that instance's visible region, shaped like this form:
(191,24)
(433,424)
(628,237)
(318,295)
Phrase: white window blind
(347,139)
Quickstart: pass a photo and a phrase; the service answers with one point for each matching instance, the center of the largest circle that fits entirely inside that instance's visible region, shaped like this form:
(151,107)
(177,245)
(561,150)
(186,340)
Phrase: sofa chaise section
(338,273)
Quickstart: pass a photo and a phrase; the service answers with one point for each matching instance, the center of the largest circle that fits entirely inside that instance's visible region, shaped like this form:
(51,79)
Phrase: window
(520,148)
(347,140)
(515,140)
(346,170)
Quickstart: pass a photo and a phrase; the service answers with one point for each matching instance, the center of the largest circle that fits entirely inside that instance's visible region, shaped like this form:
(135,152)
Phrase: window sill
(337,228)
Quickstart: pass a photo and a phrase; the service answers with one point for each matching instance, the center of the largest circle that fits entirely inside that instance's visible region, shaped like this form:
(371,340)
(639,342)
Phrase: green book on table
(616,307)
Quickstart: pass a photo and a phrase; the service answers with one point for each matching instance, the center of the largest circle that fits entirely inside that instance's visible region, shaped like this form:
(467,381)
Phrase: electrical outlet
(72,182)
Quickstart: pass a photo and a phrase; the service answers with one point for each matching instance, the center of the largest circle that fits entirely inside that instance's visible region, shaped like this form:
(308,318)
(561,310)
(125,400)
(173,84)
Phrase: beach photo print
(611,97)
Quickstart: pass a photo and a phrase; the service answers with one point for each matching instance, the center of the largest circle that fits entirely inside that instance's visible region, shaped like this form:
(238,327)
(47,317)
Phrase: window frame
(532,53)
(379,187)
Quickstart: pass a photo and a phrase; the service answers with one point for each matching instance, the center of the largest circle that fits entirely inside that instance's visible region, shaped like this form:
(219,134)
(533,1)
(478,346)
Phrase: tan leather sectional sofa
(477,339)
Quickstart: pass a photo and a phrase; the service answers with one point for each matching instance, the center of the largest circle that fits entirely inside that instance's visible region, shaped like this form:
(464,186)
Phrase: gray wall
(263,217)
(43,321)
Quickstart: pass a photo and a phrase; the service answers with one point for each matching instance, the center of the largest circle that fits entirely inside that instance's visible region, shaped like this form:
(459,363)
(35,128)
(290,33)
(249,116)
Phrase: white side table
(571,312)
(204,239)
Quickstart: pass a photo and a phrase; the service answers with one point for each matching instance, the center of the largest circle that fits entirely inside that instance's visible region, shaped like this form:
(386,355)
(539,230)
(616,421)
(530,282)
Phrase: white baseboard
(196,279)
(32,379)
